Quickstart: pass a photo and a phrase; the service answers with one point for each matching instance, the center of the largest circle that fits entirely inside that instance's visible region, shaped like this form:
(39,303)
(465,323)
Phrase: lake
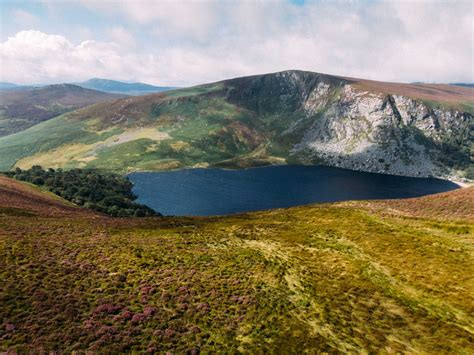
(205,192)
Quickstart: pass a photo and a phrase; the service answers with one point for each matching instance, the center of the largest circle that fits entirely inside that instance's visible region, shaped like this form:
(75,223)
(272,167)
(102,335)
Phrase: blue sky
(190,42)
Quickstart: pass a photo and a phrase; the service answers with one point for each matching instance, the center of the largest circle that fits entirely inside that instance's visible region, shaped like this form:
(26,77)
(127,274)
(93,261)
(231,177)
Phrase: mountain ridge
(286,117)
(120,87)
(469,85)
(21,109)
(7,85)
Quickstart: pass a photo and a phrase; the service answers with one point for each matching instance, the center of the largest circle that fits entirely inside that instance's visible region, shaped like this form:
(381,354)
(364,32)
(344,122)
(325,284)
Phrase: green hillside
(182,128)
(387,276)
(25,107)
(268,119)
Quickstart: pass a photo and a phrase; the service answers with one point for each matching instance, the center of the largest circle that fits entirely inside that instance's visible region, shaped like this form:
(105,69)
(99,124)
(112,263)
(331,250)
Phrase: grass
(209,128)
(348,277)
(61,131)
(196,90)
(21,109)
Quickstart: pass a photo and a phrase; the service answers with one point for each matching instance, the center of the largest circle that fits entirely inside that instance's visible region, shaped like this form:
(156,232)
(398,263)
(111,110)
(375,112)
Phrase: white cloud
(120,35)
(84,33)
(191,18)
(200,41)
(24,18)
(33,56)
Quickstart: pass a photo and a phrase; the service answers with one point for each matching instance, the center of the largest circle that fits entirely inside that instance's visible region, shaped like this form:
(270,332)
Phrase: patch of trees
(104,192)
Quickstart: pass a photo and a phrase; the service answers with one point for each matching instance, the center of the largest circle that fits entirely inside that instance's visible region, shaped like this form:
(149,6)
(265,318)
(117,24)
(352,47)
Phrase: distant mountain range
(4,85)
(119,87)
(23,107)
(105,85)
(468,85)
(290,117)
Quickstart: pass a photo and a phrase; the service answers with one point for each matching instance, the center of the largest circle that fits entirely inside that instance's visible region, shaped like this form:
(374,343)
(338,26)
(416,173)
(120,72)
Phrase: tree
(104,192)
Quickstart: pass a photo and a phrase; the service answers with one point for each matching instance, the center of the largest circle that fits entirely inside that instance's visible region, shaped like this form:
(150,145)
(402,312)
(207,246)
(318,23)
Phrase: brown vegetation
(453,205)
(15,195)
(21,109)
(432,92)
(357,277)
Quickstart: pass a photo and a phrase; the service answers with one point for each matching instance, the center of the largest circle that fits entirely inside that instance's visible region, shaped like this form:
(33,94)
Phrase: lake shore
(462,184)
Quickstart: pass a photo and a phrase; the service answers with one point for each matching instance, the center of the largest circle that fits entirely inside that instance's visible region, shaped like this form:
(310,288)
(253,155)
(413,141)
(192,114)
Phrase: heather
(348,277)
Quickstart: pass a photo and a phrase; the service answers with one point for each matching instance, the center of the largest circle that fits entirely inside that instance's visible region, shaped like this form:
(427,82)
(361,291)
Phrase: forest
(101,191)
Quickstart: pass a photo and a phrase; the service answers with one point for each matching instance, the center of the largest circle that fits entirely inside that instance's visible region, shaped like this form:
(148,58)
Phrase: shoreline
(462,184)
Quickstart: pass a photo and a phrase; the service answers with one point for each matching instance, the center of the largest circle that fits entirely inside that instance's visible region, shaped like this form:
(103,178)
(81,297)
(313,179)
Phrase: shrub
(38,181)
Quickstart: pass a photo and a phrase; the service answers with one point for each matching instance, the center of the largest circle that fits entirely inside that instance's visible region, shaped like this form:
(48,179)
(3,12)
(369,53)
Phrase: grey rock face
(380,132)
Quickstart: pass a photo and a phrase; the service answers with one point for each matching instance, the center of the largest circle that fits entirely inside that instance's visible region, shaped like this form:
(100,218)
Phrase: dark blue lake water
(205,192)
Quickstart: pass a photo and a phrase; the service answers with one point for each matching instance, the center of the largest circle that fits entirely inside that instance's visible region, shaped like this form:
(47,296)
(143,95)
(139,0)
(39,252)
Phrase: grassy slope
(217,132)
(206,125)
(21,109)
(27,199)
(347,277)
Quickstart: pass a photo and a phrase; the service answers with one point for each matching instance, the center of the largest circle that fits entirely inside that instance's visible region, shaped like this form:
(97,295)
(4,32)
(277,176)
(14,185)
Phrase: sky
(184,43)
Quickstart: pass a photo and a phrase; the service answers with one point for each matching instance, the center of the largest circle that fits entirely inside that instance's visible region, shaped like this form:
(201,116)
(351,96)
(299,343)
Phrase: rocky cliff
(350,125)
(386,133)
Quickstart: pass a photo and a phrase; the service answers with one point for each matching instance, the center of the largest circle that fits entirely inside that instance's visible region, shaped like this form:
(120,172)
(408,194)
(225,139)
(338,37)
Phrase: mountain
(4,85)
(290,117)
(468,85)
(21,109)
(358,277)
(118,87)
